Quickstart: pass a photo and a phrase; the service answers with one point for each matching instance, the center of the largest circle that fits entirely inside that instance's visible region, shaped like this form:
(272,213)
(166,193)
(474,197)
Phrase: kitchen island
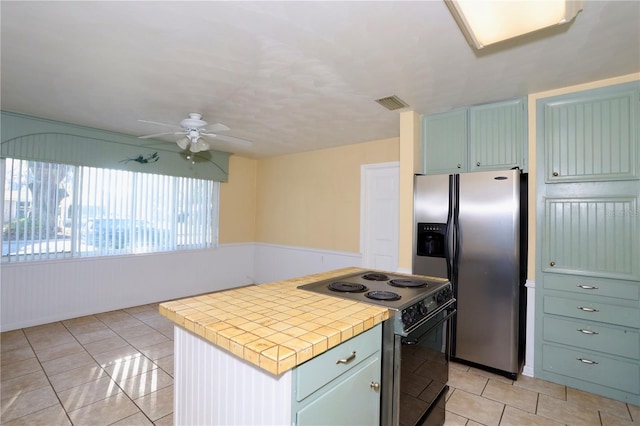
(237,352)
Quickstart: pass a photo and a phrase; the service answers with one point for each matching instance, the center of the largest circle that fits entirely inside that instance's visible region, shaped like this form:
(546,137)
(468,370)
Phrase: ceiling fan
(194,128)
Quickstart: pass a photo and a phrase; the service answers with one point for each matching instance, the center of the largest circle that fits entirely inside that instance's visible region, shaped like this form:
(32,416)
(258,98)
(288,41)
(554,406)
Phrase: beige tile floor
(116,368)
(477,397)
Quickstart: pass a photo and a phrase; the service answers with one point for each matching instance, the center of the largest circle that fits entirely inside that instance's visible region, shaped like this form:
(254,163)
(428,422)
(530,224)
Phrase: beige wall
(410,163)
(238,202)
(312,199)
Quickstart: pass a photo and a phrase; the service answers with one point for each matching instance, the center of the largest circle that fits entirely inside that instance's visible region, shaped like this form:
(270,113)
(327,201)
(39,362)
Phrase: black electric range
(415,297)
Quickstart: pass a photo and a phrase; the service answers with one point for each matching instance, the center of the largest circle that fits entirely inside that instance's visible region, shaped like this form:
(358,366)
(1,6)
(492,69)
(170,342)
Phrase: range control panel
(419,312)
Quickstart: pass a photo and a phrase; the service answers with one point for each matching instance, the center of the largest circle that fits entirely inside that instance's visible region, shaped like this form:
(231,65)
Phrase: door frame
(365,194)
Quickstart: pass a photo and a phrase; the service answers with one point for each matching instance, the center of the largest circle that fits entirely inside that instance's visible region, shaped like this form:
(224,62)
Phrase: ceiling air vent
(392,102)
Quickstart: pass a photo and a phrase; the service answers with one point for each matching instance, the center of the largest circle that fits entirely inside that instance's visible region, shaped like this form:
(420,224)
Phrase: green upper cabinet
(497,136)
(592,136)
(483,137)
(444,139)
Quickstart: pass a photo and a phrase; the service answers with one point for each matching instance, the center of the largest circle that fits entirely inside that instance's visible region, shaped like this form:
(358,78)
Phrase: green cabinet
(592,136)
(444,139)
(482,137)
(497,136)
(588,241)
(342,385)
(592,236)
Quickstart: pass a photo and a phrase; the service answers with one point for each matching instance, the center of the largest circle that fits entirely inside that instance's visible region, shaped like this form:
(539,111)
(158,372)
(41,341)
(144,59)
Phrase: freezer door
(432,205)
(487,284)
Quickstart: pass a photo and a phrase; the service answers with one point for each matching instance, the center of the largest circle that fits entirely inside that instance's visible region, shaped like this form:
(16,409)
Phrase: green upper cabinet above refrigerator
(483,137)
(444,142)
(592,136)
(497,136)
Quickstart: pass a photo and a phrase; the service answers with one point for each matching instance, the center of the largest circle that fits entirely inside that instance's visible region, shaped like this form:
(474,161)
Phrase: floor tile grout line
(71,333)
(111,377)
(47,377)
(105,371)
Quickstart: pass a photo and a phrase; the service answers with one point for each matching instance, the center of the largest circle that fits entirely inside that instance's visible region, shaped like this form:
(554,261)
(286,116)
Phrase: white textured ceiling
(289,76)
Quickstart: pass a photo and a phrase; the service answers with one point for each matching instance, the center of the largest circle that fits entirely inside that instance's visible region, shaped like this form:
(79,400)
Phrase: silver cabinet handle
(552,264)
(348,359)
(375,386)
(555,174)
(459,165)
(585,309)
(581,330)
(478,163)
(586,361)
(587,287)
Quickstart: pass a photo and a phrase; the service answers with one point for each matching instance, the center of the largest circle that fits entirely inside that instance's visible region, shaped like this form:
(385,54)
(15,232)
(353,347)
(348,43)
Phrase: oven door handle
(407,341)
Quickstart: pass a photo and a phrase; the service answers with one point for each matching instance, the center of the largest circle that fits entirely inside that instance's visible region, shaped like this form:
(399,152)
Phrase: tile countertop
(275,326)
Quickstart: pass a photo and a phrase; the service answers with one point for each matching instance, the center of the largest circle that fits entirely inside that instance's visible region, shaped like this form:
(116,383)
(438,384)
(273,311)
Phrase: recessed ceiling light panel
(485,22)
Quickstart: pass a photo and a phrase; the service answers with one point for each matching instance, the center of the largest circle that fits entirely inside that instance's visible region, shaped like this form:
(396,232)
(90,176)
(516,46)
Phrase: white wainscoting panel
(277,262)
(213,387)
(527,370)
(34,293)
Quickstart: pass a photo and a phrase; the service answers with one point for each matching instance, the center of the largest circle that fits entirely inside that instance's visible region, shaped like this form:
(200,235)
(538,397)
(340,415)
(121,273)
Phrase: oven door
(424,371)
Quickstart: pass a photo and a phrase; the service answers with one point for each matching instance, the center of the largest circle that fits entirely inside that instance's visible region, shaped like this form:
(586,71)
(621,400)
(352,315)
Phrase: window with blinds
(54,211)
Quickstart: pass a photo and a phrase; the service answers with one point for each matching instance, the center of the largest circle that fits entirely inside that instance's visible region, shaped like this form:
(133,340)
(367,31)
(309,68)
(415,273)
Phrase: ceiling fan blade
(218,127)
(231,139)
(162,134)
(160,124)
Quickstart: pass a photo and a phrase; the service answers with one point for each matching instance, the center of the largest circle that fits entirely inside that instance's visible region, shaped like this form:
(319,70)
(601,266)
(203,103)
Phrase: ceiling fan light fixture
(485,22)
(199,145)
(183,143)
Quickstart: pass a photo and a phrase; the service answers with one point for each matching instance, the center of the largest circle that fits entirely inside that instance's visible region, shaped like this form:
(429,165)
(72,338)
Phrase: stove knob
(423,309)
(406,317)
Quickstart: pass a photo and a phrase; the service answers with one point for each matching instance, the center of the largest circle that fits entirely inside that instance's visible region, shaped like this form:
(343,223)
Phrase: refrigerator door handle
(450,246)
(455,239)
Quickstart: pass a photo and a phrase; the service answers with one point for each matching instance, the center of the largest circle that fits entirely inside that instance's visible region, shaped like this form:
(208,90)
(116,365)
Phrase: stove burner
(345,287)
(408,283)
(383,295)
(374,276)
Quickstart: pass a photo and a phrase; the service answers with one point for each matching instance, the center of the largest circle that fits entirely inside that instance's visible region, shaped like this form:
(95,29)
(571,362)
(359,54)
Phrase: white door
(379,227)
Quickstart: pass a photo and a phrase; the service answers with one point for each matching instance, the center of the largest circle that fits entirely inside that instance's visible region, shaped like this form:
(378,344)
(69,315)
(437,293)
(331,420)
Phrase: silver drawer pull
(587,287)
(348,359)
(586,361)
(587,331)
(582,308)
(375,386)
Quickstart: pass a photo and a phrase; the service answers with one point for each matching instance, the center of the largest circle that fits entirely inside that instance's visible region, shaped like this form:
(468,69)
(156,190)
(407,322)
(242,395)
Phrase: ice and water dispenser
(431,239)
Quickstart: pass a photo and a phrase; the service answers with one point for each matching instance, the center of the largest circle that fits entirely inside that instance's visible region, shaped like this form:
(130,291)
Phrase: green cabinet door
(592,136)
(596,236)
(498,135)
(444,141)
(354,401)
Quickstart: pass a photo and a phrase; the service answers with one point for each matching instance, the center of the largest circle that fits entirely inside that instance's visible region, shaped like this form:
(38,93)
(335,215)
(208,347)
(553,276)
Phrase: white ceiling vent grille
(392,102)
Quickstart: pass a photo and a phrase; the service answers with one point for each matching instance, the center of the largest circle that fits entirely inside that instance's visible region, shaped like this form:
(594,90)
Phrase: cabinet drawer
(322,369)
(593,286)
(592,336)
(363,400)
(592,311)
(601,370)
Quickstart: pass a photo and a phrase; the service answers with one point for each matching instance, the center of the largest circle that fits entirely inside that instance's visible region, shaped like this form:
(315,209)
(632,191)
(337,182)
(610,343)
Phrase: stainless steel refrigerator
(471,229)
